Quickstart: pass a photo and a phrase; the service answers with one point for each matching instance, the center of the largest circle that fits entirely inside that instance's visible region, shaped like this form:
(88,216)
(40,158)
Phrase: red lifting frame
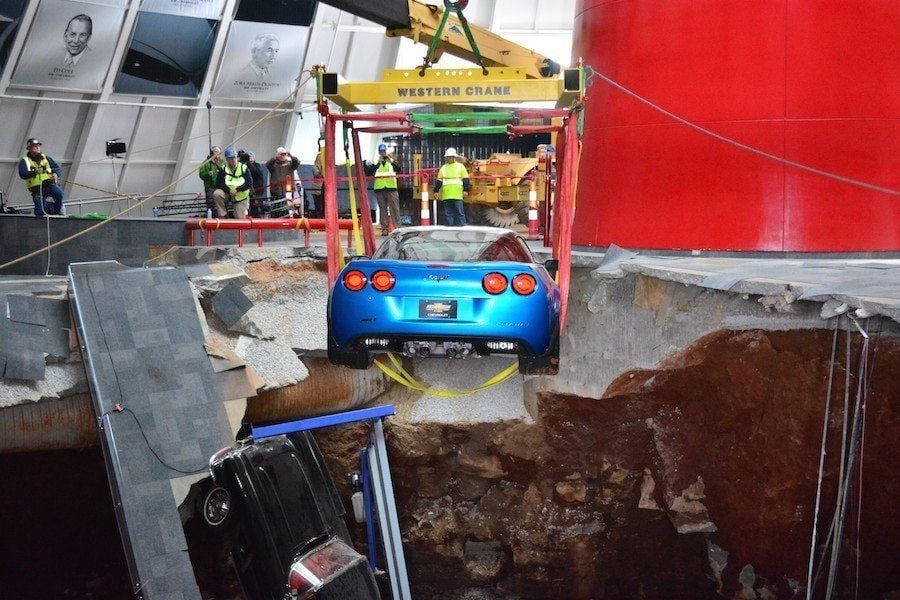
(514,130)
(363,195)
(242,225)
(564,203)
(388,129)
(541,113)
(332,239)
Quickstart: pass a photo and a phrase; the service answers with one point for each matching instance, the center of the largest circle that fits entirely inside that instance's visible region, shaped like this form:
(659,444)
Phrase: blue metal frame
(351,416)
(366,477)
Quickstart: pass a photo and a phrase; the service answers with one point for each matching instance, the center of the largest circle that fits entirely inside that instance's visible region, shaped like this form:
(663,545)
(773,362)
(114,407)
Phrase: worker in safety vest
(451,186)
(40,173)
(385,171)
(235,182)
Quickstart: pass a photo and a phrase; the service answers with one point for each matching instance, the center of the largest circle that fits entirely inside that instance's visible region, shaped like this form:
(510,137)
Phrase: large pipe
(48,425)
(70,422)
(329,388)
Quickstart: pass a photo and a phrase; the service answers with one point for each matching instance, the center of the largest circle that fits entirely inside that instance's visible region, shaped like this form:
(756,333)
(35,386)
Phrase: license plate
(437,309)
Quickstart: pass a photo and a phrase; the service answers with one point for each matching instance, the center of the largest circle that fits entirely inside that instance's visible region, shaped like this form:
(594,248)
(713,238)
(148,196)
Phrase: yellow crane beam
(452,86)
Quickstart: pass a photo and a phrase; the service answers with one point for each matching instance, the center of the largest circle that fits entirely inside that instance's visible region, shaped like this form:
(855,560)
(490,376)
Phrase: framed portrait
(70,46)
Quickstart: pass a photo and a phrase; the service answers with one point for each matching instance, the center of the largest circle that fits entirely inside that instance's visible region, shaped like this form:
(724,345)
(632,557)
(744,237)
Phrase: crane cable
(591,73)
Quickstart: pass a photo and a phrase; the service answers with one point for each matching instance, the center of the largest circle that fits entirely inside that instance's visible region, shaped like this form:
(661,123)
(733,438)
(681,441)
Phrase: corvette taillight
(524,284)
(383,280)
(316,569)
(494,283)
(354,280)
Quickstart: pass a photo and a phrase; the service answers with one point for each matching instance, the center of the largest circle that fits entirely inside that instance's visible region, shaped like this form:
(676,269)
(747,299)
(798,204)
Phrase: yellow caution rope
(403,377)
(360,249)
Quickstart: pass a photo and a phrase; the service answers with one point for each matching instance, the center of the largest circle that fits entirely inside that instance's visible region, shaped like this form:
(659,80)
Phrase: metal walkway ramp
(159,406)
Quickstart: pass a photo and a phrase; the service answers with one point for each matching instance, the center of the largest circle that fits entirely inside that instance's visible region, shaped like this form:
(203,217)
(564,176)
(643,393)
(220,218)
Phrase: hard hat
(450,152)
(382,147)
(230,152)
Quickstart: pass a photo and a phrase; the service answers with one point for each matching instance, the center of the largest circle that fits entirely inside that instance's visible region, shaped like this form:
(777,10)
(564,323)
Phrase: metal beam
(451,86)
(392,14)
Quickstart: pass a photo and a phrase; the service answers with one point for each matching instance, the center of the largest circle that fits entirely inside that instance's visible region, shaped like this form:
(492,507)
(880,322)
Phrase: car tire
(357,360)
(547,364)
(217,508)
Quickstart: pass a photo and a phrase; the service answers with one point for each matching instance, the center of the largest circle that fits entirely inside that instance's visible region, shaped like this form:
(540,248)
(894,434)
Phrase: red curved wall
(813,81)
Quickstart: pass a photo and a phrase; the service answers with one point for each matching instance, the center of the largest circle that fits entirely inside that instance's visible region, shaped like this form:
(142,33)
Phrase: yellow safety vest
(235,179)
(384,182)
(451,176)
(44,172)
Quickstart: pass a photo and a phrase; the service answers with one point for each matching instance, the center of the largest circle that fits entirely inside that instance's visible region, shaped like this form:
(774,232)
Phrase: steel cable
(884,190)
(153,195)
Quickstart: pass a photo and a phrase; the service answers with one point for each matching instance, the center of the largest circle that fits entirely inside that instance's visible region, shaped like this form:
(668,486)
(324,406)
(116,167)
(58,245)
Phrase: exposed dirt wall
(720,443)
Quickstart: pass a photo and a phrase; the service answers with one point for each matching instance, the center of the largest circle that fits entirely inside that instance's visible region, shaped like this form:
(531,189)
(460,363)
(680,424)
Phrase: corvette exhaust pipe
(424,351)
(451,352)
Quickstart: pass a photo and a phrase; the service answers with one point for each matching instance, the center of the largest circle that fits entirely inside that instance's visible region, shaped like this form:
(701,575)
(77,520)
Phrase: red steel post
(557,193)
(366,212)
(565,214)
(548,197)
(332,241)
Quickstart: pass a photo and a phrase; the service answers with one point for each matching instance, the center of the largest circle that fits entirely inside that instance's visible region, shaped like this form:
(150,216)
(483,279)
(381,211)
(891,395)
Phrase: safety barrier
(242,225)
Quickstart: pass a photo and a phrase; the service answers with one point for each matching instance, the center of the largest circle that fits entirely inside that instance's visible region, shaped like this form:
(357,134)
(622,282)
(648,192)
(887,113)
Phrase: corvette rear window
(453,246)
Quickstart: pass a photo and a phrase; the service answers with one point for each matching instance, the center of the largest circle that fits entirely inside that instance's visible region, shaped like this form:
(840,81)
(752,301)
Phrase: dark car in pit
(290,541)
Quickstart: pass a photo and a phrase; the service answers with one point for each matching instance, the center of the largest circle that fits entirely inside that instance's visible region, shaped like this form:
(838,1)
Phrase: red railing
(242,225)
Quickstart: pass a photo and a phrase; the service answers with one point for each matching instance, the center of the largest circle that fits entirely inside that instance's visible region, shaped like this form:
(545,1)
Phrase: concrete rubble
(673,456)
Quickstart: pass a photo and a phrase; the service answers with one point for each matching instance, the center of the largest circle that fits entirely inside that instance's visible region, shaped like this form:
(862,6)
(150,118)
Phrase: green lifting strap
(475,129)
(453,5)
(462,116)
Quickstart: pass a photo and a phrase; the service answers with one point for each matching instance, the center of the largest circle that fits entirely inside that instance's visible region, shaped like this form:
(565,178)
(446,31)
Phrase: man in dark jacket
(258,194)
(281,169)
(40,173)
(209,173)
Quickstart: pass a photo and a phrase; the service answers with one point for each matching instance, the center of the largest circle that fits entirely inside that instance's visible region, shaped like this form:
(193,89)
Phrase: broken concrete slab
(38,310)
(230,304)
(870,285)
(25,365)
(60,381)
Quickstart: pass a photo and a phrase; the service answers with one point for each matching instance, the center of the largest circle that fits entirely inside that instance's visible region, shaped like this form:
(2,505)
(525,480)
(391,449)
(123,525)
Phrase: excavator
(505,72)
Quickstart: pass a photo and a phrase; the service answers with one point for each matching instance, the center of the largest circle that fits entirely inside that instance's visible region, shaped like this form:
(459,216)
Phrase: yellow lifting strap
(402,377)
(360,248)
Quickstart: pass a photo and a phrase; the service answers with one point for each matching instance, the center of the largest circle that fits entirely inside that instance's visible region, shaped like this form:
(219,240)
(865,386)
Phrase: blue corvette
(446,291)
